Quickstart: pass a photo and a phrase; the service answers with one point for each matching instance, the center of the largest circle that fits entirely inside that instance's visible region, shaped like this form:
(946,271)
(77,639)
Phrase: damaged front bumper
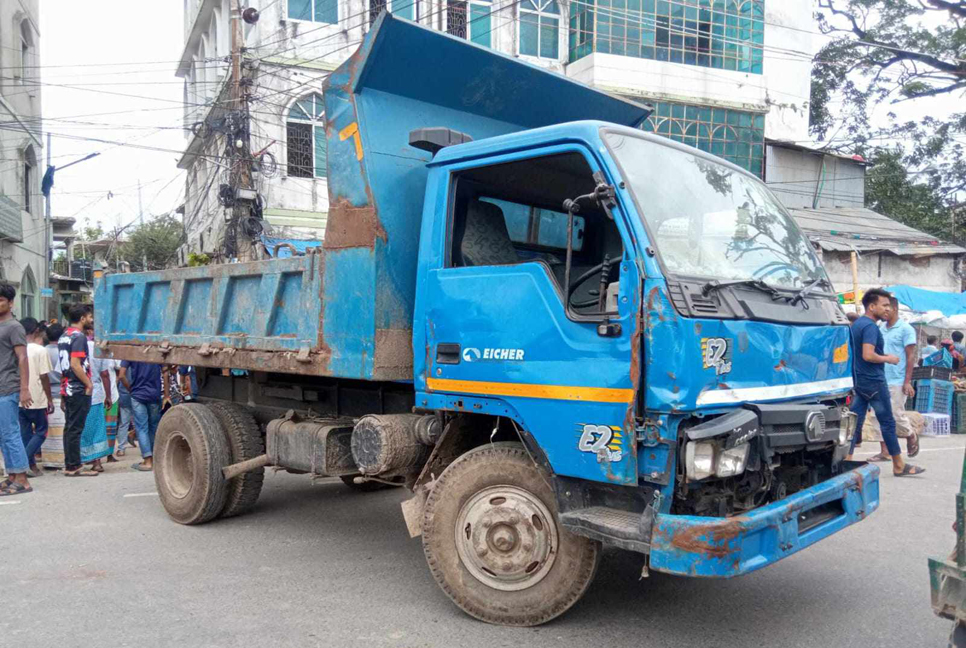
(724,547)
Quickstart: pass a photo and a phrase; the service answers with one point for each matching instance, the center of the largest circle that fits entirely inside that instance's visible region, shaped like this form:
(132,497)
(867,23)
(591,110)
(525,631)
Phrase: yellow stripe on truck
(526,390)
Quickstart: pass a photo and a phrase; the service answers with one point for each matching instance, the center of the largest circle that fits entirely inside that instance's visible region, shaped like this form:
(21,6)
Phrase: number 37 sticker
(605,441)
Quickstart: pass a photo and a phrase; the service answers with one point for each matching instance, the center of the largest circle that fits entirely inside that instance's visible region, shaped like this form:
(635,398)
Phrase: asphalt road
(96,562)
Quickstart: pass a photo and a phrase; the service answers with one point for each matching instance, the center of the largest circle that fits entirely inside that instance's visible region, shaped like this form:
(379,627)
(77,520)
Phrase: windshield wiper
(713,286)
(804,292)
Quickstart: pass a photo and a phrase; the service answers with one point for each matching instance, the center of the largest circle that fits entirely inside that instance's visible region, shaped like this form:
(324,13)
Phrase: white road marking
(6,503)
(140,494)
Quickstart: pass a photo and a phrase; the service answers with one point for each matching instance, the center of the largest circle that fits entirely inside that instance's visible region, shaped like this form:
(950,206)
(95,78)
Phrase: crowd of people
(49,374)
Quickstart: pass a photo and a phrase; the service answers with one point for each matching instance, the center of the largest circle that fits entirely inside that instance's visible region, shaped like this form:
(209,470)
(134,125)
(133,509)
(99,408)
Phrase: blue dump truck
(557,331)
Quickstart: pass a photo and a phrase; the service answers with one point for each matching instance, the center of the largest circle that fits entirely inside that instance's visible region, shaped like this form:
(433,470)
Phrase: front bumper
(723,547)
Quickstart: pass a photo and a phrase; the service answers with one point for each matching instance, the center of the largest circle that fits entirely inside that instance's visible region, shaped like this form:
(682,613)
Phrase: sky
(92,53)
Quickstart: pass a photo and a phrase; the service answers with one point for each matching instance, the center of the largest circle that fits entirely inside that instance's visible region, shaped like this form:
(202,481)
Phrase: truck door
(497,325)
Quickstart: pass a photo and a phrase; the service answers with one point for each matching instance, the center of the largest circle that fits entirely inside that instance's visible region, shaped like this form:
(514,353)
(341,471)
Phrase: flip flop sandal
(99,469)
(910,471)
(912,446)
(81,473)
(13,488)
(879,457)
(140,468)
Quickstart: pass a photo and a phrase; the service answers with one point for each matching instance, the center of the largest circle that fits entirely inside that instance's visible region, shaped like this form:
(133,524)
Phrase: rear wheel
(245,440)
(189,453)
(492,540)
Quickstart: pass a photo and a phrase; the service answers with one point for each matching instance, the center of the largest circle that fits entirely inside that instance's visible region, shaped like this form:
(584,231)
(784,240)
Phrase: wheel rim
(506,537)
(178,466)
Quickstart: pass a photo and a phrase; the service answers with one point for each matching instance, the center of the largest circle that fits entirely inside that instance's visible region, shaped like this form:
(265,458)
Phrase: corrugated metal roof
(841,229)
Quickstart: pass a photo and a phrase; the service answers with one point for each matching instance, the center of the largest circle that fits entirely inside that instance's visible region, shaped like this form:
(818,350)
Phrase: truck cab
(557,331)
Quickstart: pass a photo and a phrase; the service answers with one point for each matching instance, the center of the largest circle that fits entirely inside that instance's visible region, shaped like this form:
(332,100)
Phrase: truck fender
(461,434)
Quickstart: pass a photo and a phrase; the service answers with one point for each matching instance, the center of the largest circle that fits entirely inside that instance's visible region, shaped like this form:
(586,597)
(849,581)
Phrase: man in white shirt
(33,418)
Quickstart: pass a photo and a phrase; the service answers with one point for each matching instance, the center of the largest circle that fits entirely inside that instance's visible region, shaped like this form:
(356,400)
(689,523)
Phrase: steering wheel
(584,278)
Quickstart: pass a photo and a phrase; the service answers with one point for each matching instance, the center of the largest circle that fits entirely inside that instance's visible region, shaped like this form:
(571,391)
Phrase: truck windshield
(710,221)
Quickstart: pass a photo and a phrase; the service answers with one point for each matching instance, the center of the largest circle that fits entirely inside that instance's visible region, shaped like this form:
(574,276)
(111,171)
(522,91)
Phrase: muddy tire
(245,440)
(493,543)
(189,453)
(364,487)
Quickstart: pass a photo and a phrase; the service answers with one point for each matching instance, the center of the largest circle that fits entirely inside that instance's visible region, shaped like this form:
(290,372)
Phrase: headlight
(705,459)
(732,462)
(699,458)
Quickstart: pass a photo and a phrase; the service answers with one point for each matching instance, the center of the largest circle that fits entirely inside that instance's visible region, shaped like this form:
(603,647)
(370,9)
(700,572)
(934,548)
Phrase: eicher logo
(471,354)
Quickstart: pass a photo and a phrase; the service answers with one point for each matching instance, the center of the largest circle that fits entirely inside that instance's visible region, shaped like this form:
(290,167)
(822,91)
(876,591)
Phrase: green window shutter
(480,24)
(404,9)
(529,34)
(327,11)
(300,9)
(549,37)
(320,152)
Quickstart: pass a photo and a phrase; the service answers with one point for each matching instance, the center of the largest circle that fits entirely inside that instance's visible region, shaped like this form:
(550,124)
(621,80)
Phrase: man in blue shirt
(143,382)
(900,341)
(871,387)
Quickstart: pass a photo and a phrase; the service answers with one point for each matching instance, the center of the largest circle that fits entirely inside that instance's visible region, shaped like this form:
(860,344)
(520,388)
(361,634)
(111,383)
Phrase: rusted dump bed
(259,316)
(347,310)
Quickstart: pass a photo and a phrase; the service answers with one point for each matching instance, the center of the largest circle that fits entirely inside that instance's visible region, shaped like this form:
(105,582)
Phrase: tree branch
(934,92)
(956,8)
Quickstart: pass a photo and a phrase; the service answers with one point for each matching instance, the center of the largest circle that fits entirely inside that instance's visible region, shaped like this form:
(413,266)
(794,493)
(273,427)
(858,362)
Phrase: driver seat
(485,240)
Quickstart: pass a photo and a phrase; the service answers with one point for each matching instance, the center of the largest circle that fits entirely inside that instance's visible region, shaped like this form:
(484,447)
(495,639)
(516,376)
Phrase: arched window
(28,294)
(540,28)
(305,135)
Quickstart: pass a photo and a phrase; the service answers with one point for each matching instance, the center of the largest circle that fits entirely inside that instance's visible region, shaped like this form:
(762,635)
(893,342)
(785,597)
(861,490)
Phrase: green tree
(891,190)
(155,243)
(886,52)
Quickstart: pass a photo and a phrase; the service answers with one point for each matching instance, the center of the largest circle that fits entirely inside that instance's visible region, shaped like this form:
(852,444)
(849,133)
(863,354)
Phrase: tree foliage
(891,190)
(887,52)
(153,245)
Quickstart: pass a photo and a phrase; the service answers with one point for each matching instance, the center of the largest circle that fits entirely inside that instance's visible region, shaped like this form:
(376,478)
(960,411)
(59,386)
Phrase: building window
(469,20)
(29,162)
(401,8)
(734,135)
(540,28)
(25,43)
(722,34)
(305,131)
(28,294)
(321,11)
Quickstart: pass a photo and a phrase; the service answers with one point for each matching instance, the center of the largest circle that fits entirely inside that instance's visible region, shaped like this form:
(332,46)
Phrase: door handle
(447,353)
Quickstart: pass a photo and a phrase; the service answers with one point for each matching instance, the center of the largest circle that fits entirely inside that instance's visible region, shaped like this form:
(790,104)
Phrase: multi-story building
(24,233)
(722,75)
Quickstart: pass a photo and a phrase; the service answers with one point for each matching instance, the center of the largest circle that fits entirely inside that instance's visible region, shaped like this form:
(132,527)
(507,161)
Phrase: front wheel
(492,541)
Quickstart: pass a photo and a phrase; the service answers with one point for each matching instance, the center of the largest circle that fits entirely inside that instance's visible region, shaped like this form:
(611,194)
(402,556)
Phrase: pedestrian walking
(871,387)
(76,387)
(94,446)
(900,341)
(125,418)
(111,413)
(143,381)
(14,392)
(33,418)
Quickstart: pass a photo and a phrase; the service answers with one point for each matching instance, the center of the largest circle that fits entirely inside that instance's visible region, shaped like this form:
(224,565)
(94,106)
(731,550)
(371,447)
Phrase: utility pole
(241,176)
(46,283)
(140,208)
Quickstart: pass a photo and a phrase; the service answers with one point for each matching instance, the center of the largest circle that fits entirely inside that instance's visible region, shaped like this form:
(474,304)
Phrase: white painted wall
(20,101)
(794,176)
(931,273)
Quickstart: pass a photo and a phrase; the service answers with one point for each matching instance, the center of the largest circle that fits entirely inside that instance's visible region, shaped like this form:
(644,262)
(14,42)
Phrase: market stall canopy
(842,229)
(925,301)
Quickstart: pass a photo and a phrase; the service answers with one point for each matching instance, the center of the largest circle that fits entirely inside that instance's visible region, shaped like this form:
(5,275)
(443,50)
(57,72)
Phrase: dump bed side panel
(260,316)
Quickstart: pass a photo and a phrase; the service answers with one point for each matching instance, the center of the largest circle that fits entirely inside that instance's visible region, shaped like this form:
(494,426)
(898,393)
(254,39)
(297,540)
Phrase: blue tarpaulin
(917,299)
(282,248)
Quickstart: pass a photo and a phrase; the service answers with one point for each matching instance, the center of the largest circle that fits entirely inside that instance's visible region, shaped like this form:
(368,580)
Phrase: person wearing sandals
(33,419)
(871,386)
(14,393)
(76,387)
(94,444)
